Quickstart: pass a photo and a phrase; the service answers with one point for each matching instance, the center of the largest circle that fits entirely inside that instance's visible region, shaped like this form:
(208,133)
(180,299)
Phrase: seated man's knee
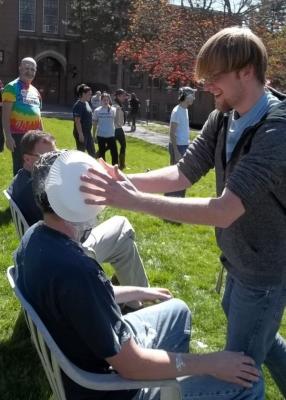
(179,309)
(122,224)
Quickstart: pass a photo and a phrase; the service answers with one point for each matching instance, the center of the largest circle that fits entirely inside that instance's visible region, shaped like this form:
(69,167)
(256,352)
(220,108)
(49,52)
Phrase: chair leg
(219,280)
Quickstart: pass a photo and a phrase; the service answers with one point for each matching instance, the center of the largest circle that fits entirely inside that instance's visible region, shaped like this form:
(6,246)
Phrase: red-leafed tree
(164,39)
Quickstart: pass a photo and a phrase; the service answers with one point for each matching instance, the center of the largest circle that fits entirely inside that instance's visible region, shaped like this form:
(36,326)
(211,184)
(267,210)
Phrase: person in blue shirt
(82,115)
(112,241)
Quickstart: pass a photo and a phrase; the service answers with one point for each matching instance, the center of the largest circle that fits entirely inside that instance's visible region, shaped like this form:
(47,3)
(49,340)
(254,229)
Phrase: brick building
(40,29)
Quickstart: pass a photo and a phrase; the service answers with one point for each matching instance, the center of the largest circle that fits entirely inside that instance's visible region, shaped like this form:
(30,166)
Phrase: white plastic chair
(54,361)
(20,223)
(220,280)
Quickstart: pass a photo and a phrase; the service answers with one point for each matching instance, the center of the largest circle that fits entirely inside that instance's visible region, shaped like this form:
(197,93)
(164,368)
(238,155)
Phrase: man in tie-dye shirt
(21,109)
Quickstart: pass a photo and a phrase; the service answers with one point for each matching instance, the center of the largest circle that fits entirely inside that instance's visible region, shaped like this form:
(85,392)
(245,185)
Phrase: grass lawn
(183,258)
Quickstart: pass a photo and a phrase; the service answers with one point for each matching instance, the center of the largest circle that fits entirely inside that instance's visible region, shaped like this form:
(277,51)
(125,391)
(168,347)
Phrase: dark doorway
(49,74)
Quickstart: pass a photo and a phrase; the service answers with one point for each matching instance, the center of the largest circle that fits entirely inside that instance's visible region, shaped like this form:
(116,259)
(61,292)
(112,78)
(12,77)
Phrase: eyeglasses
(38,155)
(211,78)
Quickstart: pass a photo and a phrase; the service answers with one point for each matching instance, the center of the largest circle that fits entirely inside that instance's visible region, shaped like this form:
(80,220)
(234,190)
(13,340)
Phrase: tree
(101,22)
(164,39)
(272,14)
(268,21)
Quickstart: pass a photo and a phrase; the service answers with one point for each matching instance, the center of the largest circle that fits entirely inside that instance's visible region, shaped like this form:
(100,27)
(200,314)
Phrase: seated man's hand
(153,294)
(126,294)
(233,367)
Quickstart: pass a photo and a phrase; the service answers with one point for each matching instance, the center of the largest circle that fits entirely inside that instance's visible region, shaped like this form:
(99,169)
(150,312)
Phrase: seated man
(152,343)
(112,241)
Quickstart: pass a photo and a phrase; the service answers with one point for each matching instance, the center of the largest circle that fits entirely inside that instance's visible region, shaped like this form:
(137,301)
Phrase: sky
(186,3)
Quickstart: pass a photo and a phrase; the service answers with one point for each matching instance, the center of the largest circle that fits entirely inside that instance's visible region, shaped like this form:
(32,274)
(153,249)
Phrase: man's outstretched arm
(161,180)
(215,211)
(164,180)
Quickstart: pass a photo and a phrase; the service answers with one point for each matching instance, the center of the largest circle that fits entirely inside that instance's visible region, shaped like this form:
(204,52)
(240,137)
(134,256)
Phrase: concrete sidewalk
(142,132)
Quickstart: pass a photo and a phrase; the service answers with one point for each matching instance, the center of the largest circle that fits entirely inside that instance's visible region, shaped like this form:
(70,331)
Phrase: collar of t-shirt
(238,124)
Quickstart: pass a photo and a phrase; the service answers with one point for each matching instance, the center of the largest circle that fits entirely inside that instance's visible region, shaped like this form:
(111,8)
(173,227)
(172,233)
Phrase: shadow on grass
(20,367)
(5,216)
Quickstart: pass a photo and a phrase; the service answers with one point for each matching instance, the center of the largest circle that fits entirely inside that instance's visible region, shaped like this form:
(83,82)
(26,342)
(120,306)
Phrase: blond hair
(232,49)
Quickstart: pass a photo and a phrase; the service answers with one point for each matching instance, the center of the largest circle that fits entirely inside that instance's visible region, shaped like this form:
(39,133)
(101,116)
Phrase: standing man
(180,129)
(247,149)
(21,109)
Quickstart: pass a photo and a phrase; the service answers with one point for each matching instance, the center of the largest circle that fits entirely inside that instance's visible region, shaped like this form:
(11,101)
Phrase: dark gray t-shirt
(254,246)
(75,300)
(83,111)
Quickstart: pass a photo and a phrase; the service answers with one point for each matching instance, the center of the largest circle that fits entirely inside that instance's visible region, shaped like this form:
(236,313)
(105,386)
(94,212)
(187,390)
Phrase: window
(155,83)
(155,110)
(27,11)
(135,78)
(51,16)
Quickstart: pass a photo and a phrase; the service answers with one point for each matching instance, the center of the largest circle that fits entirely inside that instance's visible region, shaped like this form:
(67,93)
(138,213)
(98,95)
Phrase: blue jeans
(254,315)
(181,149)
(167,326)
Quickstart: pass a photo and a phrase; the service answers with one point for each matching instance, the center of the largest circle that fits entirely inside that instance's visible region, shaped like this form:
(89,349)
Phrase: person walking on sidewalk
(82,115)
(120,96)
(180,130)
(134,105)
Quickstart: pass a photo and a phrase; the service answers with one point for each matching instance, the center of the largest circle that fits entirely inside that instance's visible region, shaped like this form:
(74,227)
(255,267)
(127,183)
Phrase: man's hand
(233,367)
(126,294)
(153,294)
(106,190)
(10,143)
(81,138)
(112,170)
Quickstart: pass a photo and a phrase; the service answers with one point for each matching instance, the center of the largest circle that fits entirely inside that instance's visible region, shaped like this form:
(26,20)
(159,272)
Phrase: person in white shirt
(104,128)
(180,129)
(96,100)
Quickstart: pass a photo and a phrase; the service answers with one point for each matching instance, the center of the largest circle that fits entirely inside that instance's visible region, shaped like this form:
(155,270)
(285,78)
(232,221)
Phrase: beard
(222,105)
